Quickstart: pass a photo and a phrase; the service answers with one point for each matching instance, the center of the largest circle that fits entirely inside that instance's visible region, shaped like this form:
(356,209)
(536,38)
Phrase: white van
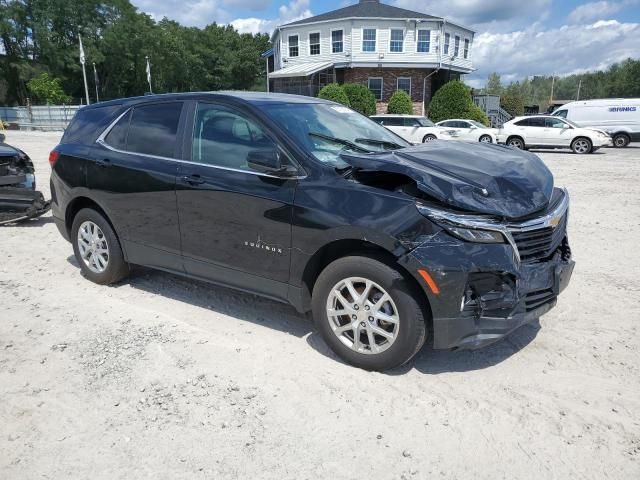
(619,117)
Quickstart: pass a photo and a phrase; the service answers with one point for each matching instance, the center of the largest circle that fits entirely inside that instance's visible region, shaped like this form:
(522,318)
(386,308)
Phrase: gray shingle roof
(365,9)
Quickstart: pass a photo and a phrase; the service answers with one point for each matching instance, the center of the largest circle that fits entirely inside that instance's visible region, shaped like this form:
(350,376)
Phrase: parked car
(19,199)
(620,118)
(414,128)
(545,131)
(307,202)
(470,130)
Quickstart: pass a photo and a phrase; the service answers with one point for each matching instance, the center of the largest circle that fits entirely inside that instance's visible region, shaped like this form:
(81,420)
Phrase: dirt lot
(162,377)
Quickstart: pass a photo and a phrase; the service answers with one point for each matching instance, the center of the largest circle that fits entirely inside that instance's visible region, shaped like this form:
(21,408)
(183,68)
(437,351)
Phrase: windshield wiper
(375,141)
(340,141)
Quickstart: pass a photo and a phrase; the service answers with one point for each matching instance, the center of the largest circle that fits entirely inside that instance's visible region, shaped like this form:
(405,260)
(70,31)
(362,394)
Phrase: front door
(556,132)
(235,222)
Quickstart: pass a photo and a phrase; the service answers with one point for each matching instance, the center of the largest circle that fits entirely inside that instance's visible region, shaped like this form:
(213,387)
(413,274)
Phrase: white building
(384,47)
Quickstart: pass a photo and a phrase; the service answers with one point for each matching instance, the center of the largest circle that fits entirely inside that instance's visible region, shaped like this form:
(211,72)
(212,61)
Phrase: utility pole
(553,80)
(579,87)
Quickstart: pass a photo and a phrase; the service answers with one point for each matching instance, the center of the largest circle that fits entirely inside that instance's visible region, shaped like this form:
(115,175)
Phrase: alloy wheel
(363,315)
(516,143)
(485,139)
(581,146)
(93,247)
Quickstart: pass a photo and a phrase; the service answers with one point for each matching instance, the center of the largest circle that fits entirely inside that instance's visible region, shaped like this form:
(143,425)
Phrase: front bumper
(485,292)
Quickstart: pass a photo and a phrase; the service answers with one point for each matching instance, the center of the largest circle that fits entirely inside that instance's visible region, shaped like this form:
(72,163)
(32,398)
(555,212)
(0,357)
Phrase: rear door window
(411,122)
(153,129)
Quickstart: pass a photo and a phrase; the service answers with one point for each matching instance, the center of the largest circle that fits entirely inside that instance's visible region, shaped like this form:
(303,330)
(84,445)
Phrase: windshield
(326,130)
(425,122)
(477,124)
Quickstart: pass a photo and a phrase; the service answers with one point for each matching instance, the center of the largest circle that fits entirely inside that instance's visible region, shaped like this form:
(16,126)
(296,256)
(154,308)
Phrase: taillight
(53,157)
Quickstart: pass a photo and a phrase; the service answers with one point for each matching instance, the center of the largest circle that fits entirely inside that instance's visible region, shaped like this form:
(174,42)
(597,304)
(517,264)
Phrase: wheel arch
(519,137)
(78,204)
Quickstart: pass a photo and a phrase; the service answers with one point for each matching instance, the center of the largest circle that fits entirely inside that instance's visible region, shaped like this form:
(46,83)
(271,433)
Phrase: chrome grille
(541,243)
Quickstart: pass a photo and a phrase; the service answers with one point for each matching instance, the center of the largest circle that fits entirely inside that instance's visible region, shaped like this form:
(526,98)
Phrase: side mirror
(269,160)
(473,127)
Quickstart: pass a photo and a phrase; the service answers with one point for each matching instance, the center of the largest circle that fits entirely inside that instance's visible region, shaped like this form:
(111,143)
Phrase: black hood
(477,177)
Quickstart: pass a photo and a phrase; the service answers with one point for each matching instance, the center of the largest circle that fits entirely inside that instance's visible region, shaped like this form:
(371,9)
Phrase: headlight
(462,226)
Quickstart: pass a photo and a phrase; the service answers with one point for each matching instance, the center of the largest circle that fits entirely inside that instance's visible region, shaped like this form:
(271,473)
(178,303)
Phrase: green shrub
(452,100)
(513,104)
(47,90)
(476,113)
(335,93)
(360,98)
(400,103)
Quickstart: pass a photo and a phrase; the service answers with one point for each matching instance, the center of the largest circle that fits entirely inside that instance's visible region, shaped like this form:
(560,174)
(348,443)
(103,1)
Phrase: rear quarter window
(89,123)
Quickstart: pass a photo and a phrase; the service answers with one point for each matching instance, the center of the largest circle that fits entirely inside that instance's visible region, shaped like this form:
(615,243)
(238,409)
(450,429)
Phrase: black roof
(365,9)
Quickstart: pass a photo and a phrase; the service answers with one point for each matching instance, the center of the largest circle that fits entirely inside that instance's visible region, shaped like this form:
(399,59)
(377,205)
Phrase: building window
(404,83)
(293,45)
(375,85)
(368,39)
(314,44)
(466,48)
(456,48)
(397,41)
(424,41)
(447,40)
(336,41)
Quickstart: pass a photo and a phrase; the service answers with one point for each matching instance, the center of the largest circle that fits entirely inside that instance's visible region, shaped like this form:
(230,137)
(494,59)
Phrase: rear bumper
(484,292)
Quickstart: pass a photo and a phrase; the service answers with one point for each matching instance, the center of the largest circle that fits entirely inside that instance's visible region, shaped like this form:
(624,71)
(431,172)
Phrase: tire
(581,146)
(485,139)
(430,137)
(404,336)
(516,142)
(103,260)
(621,140)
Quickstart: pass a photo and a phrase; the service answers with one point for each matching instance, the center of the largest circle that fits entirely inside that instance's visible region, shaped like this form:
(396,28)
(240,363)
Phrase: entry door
(556,132)
(235,222)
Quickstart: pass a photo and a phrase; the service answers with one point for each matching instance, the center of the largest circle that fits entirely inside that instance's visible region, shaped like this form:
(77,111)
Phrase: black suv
(308,202)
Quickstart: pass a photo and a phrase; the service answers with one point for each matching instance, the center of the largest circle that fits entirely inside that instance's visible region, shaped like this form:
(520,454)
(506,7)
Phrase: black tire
(411,333)
(485,139)
(582,146)
(116,268)
(516,142)
(621,140)
(429,137)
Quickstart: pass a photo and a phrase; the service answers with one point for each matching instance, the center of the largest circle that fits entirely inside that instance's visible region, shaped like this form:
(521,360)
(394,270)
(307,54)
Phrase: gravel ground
(162,377)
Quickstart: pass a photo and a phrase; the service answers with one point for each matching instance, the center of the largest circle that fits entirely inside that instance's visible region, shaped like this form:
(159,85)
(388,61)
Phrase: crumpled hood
(8,151)
(477,177)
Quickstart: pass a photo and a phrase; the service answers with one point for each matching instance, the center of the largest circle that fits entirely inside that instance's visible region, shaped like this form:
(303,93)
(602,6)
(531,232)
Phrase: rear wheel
(486,139)
(367,313)
(429,138)
(581,146)
(621,140)
(97,249)
(516,142)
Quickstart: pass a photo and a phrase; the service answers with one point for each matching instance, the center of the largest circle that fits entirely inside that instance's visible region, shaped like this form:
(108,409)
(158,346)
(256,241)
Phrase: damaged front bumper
(486,290)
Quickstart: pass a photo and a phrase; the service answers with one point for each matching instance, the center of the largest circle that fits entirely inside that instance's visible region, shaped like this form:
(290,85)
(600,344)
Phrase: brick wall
(389,83)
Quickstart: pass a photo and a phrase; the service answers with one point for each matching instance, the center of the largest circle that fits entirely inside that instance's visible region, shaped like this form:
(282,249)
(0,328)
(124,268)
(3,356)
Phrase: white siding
(352,38)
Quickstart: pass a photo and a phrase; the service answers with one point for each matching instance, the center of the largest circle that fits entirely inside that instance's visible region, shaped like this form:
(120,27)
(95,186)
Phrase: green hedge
(400,103)
(335,93)
(360,98)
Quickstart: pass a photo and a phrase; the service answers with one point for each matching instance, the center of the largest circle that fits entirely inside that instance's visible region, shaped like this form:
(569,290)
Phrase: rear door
(133,175)
(235,222)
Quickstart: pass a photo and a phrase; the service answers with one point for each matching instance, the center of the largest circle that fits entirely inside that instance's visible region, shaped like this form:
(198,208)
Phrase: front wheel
(581,146)
(368,314)
(516,142)
(486,139)
(429,138)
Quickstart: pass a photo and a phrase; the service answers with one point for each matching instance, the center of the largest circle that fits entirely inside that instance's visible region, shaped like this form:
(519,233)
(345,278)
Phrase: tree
(400,103)
(475,113)
(335,93)
(513,104)
(47,90)
(360,98)
(494,86)
(452,100)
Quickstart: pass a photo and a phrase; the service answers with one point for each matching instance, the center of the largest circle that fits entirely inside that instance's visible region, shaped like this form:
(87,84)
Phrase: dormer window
(368,39)
(293,45)
(396,43)
(314,44)
(424,41)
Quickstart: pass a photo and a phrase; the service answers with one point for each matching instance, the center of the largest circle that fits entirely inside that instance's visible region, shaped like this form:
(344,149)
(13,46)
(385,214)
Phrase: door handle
(103,163)
(192,179)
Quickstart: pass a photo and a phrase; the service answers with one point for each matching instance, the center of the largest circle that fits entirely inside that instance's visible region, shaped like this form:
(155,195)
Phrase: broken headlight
(465,227)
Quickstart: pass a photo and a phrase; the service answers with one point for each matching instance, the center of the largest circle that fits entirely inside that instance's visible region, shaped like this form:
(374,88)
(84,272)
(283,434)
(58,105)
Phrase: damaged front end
(498,255)
(19,199)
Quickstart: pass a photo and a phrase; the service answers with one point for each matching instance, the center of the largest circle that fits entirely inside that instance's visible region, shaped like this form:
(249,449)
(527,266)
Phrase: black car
(307,202)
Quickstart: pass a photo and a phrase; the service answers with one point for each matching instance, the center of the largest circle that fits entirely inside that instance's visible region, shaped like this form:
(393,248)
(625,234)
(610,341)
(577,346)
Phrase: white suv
(544,131)
(470,130)
(414,128)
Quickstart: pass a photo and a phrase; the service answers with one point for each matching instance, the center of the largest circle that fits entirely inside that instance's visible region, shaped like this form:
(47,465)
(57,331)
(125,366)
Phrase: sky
(515,38)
